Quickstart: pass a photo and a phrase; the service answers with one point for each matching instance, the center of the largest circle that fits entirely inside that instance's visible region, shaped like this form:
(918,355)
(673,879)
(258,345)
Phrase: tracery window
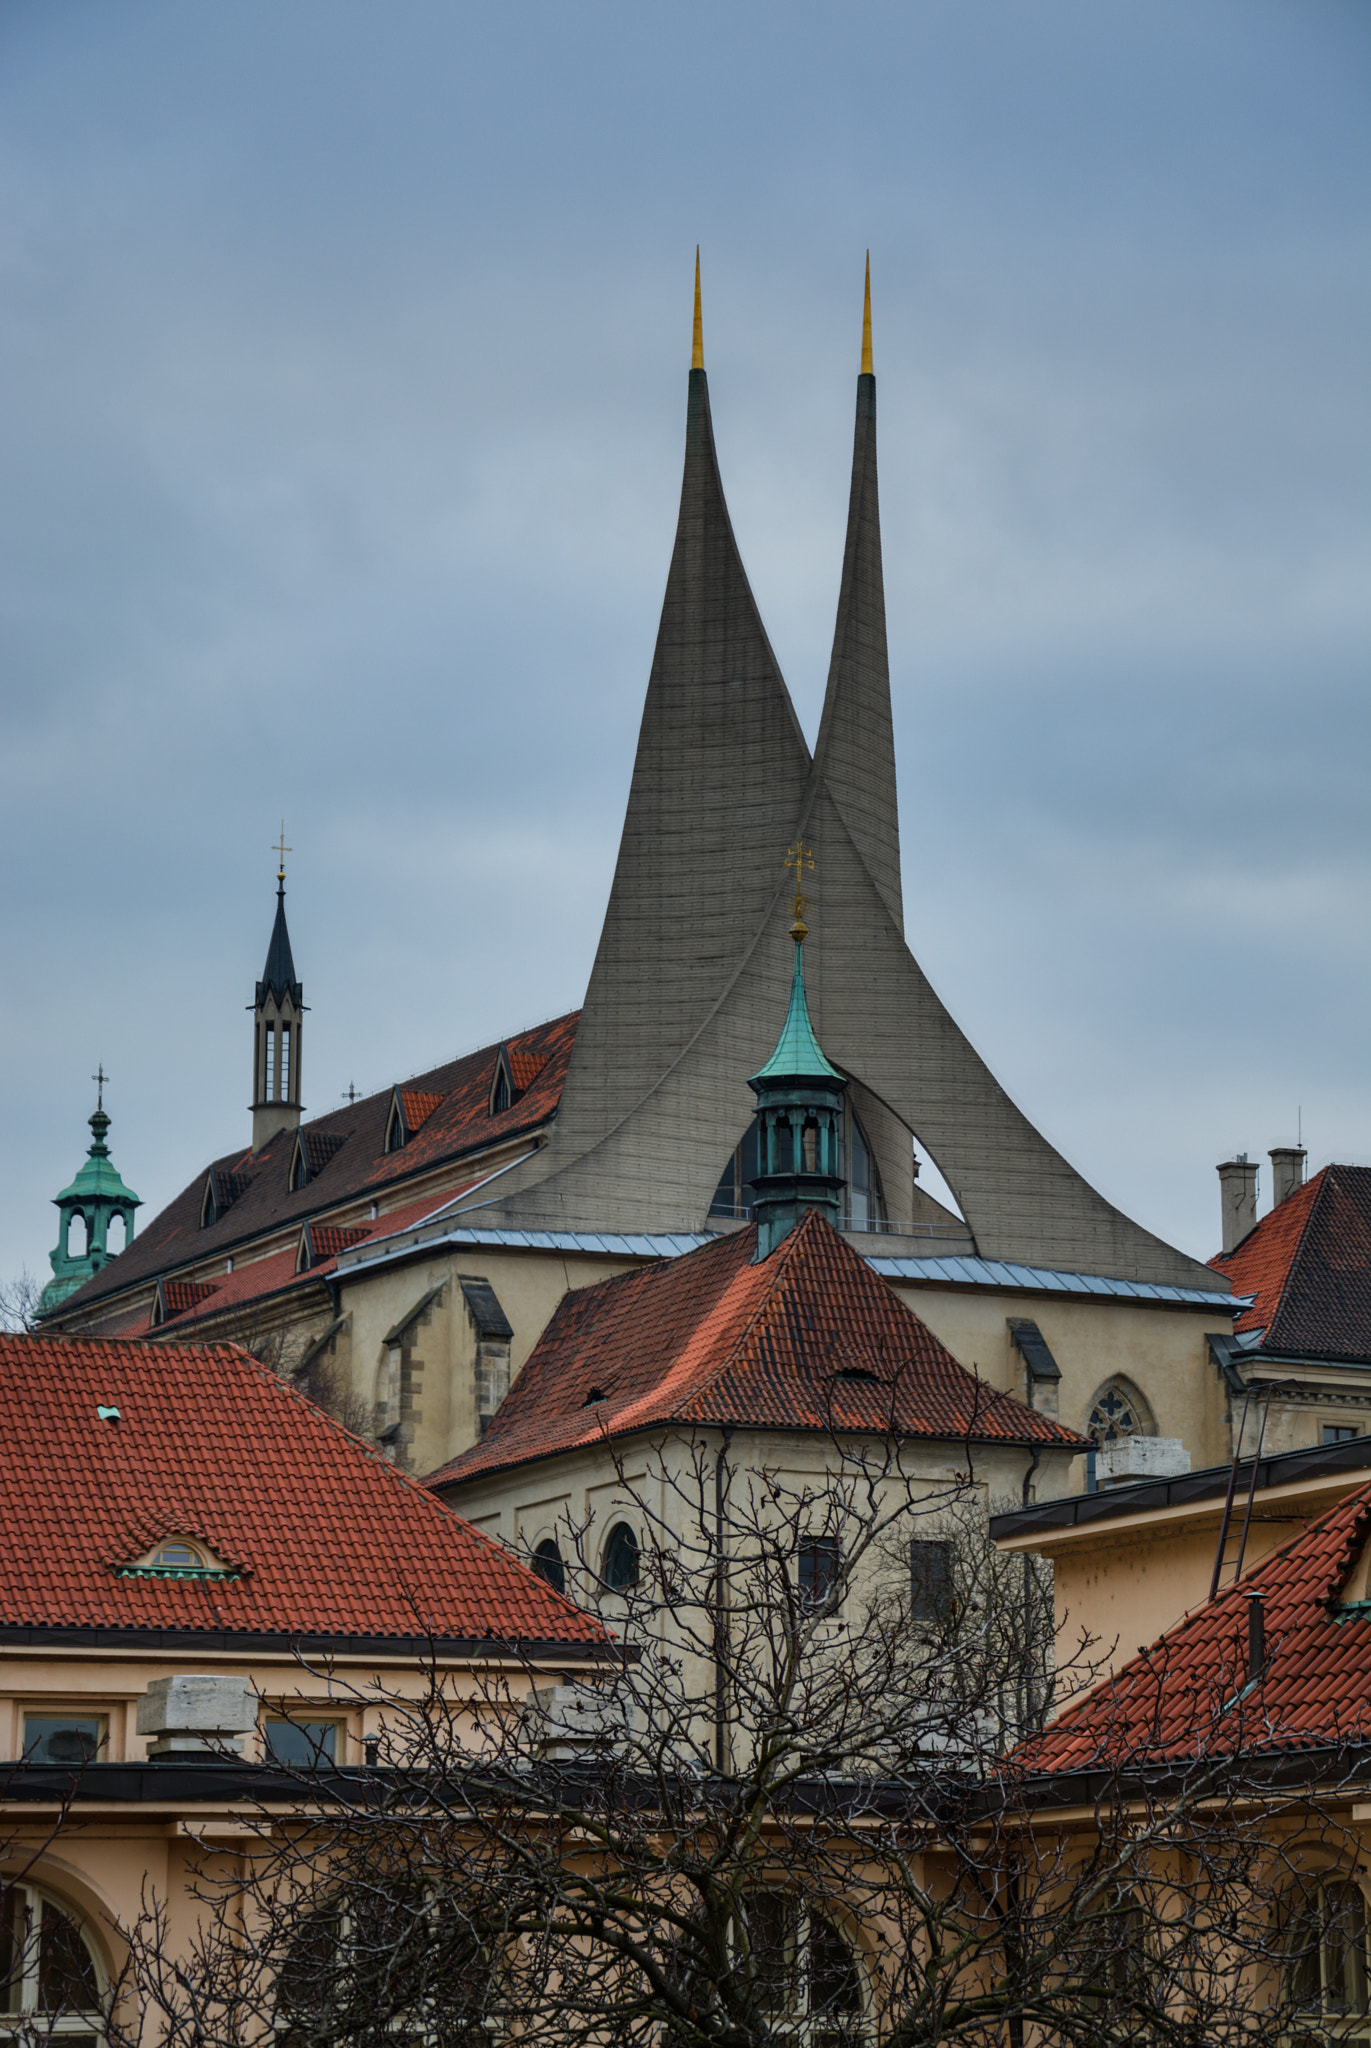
(1118,1411)
(50,1975)
(805,1975)
(865,1205)
(1327,1973)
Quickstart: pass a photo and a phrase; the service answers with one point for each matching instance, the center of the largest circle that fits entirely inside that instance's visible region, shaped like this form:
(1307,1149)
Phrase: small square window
(818,1566)
(62,1738)
(930,1581)
(1339,1432)
(303,1745)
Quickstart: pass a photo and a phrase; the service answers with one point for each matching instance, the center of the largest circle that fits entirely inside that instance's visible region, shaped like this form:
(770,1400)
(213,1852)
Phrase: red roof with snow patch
(809,1338)
(328,1538)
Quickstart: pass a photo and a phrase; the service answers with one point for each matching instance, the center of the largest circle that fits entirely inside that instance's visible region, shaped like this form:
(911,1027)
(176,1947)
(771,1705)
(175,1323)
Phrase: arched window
(804,1975)
(620,1569)
(547,1562)
(1117,1411)
(865,1204)
(735,1193)
(1113,1969)
(407,1964)
(1326,1974)
(50,1974)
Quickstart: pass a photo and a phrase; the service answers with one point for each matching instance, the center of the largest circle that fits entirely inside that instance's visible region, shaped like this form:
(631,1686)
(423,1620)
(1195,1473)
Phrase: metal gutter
(1283,1468)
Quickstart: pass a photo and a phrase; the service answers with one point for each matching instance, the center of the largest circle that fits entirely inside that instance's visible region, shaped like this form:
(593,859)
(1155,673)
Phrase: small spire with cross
(350,1092)
(100,1077)
(281,850)
(801,858)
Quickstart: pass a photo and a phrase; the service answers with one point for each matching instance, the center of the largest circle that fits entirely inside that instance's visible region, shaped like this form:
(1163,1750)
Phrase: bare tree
(796,1809)
(19,1302)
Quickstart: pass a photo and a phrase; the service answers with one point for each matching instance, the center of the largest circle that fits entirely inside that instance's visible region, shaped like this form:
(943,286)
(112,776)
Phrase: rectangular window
(285,1063)
(62,1738)
(818,1565)
(1339,1432)
(303,1745)
(930,1581)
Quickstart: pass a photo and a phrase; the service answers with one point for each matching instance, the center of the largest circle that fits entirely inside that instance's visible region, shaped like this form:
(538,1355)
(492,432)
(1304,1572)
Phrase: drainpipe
(720,1596)
(1030,1696)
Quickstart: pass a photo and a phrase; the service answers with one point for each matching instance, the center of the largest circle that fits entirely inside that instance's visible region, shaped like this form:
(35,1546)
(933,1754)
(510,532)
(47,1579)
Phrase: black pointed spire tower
(278,1013)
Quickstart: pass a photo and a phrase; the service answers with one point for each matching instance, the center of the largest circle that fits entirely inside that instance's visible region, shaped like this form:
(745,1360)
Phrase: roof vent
(595,1394)
(104,1414)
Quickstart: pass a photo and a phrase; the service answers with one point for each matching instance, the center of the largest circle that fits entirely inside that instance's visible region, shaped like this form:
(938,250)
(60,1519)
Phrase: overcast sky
(345,353)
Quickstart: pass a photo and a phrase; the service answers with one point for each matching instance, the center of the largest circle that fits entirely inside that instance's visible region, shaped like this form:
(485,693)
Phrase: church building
(420,1240)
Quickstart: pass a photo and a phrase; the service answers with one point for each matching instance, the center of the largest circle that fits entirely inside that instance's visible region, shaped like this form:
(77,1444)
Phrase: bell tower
(799,1109)
(94,1200)
(276,1027)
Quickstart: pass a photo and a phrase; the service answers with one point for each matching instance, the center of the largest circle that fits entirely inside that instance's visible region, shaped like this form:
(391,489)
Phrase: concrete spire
(856,750)
(718,781)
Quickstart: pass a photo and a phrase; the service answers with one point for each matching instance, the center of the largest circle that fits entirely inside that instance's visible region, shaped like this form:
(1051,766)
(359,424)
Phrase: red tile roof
(329,1538)
(810,1338)
(357,1164)
(255,1279)
(180,1295)
(419,1105)
(1308,1263)
(1180,1695)
(326,1241)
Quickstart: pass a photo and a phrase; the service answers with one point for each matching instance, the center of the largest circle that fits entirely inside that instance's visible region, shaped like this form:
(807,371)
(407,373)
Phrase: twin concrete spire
(691,975)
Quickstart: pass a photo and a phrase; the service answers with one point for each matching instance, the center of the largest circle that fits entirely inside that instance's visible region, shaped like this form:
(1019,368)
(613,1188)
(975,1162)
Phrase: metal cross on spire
(281,849)
(801,858)
(100,1077)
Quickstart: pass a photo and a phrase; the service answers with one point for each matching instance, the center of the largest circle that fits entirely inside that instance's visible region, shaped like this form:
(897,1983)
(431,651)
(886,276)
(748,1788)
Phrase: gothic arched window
(1117,1411)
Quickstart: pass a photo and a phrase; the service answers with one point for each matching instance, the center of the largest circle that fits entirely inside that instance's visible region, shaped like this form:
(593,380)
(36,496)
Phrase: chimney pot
(1287,1172)
(1238,1198)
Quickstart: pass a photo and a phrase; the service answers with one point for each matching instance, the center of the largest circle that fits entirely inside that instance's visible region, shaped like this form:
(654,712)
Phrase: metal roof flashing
(1324,1470)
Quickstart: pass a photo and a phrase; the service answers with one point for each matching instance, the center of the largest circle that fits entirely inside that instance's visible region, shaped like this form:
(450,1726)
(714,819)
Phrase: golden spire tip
(867,370)
(697,352)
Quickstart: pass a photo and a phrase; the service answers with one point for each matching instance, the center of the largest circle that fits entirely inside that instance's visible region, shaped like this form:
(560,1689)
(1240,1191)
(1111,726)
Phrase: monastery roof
(448,1114)
(1188,1692)
(1308,1265)
(327,1538)
(808,1339)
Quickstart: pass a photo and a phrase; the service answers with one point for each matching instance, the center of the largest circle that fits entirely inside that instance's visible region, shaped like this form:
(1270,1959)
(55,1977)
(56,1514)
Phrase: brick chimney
(1287,1171)
(1238,1197)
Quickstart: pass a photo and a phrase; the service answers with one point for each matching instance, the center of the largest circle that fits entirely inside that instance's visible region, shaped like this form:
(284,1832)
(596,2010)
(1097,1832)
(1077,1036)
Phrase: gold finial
(697,352)
(281,850)
(100,1077)
(867,370)
(800,857)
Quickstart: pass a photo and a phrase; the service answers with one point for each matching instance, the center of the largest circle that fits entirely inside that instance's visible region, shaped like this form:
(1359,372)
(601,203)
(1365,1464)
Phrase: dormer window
(209,1207)
(502,1089)
(177,1557)
(299,1167)
(396,1133)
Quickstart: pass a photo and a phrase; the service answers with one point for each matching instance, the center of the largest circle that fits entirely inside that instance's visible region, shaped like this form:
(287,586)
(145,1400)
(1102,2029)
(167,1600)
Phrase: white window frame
(25,2019)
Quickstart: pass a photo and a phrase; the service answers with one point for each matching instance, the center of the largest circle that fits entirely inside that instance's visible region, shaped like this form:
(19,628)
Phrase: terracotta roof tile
(419,1105)
(349,1143)
(326,1240)
(330,1538)
(1308,1263)
(810,1338)
(1180,1695)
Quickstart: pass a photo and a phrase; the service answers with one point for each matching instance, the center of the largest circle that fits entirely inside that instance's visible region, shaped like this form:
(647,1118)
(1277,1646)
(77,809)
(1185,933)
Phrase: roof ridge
(1319,1184)
(784,1255)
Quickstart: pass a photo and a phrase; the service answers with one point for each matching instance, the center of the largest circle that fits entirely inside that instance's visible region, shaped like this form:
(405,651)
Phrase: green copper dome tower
(95,1198)
(799,1111)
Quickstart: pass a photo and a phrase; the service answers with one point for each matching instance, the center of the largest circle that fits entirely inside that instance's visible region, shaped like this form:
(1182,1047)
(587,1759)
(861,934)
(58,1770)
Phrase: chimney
(1238,1197)
(1287,1171)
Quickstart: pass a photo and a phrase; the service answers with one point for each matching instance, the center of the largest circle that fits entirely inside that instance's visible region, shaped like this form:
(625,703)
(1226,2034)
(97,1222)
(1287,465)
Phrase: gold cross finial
(100,1077)
(800,857)
(281,849)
